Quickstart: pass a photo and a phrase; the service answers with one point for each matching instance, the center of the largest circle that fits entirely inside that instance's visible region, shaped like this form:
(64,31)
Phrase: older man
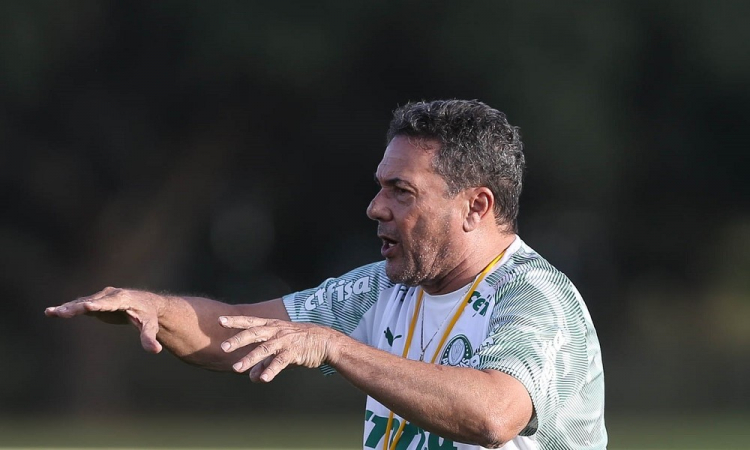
(463,337)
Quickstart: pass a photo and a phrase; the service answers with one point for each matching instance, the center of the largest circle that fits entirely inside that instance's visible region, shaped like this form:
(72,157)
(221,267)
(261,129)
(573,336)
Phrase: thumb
(148,336)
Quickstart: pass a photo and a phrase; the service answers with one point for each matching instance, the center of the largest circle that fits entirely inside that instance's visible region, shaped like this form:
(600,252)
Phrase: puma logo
(389,336)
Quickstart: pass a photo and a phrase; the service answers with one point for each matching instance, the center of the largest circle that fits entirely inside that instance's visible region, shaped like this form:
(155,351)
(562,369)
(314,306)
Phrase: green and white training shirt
(525,319)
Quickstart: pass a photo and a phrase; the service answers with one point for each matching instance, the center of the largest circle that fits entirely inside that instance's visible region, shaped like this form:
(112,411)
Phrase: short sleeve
(339,303)
(538,336)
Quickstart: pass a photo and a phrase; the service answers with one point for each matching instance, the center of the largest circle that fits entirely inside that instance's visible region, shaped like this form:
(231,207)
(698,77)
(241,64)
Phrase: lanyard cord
(410,336)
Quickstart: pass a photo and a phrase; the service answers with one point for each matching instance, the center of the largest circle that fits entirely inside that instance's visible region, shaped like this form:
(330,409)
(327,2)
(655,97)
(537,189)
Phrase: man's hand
(280,343)
(120,306)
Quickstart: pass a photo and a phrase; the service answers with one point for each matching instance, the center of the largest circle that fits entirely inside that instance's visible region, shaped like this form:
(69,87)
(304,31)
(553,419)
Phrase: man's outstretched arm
(187,326)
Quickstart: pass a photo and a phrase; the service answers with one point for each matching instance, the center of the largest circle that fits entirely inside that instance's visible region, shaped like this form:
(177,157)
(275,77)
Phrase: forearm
(463,404)
(189,328)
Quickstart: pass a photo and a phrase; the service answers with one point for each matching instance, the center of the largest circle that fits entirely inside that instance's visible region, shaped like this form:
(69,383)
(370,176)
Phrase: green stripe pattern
(541,334)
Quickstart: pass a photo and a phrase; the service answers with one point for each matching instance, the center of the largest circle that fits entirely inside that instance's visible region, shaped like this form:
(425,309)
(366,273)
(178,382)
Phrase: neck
(470,265)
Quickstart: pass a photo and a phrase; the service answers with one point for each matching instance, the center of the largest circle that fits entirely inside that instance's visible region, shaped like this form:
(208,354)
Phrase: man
(463,337)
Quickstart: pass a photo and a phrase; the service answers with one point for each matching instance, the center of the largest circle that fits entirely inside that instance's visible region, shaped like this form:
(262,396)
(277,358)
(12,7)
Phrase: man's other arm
(485,407)
(187,326)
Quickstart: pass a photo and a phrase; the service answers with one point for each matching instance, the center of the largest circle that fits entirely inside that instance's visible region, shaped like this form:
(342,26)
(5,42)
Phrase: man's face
(420,226)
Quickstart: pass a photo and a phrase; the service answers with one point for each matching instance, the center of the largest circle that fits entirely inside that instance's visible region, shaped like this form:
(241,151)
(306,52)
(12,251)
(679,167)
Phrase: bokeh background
(227,149)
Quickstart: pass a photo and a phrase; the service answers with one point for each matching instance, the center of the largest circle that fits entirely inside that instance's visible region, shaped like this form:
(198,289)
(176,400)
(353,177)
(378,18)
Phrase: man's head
(445,165)
(478,147)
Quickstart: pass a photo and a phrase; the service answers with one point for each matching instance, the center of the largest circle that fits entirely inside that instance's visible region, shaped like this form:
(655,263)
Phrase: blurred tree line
(227,149)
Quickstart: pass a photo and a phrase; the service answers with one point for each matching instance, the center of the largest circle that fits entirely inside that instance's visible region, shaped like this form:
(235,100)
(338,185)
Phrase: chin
(399,275)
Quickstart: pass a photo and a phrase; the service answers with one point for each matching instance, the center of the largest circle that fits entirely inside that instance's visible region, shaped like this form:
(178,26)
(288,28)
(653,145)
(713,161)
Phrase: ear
(481,202)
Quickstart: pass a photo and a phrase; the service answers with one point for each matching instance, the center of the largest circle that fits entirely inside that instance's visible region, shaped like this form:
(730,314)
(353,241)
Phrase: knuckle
(264,348)
(85,298)
(281,359)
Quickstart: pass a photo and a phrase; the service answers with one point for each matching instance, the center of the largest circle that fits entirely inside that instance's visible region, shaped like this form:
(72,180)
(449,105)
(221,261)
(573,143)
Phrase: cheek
(431,231)
(425,226)
(406,219)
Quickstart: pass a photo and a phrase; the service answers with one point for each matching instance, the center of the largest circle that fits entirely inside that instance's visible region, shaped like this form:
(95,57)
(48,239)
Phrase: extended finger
(258,354)
(258,369)
(249,336)
(65,310)
(104,300)
(70,309)
(242,321)
(277,364)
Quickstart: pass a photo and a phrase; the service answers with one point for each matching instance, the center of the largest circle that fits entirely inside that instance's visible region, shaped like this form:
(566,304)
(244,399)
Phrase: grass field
(642,431)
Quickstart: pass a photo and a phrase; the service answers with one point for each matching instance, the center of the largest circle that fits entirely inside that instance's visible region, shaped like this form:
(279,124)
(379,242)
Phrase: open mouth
(388,246)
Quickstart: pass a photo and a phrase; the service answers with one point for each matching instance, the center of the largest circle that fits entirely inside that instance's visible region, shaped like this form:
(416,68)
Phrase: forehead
(407,158)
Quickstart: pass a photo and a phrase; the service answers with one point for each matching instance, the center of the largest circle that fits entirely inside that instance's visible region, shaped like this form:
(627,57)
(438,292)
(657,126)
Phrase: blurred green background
(227,149)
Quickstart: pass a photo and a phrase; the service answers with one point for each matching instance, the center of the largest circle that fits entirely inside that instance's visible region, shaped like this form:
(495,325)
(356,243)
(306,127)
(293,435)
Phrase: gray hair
(478,147)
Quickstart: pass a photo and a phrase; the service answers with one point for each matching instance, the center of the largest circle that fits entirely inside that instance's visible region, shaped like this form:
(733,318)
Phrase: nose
(377,210)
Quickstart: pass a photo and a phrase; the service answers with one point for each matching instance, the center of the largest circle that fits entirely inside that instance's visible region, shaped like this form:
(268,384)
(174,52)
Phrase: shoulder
(527,281)
(524,264)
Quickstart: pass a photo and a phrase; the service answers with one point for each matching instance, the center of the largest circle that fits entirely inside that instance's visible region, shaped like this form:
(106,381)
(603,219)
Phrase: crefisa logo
(458,352)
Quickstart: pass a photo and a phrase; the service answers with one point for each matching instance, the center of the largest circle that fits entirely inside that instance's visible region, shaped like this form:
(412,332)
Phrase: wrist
(162,304)
(337,347)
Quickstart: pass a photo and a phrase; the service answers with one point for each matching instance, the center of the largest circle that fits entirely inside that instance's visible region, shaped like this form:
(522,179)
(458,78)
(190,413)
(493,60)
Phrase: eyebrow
(392,181)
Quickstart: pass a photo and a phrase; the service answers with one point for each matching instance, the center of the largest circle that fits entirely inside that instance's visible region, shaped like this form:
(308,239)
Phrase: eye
(401,193)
